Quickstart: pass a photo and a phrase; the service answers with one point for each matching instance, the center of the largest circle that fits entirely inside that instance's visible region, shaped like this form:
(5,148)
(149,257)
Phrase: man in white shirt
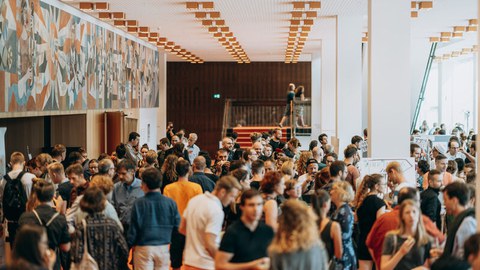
(202,223)
(454,150)
(395,176)
(192,148)
(17,163)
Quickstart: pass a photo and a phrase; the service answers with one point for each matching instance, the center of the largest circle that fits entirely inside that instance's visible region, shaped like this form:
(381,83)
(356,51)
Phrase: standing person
(131,146)
(45,215)
(272,185)
(296,245)
(202,223)
(16,191)
(369,207)
(191,147)
(169,174)
(456,197)
(288,107)
(342,194)
(330,231)
(351,158)
(429,202)
(31,250)
(154,217)
(299,95)
(126,191)
(199,177)
(162,153)
(441,164)
(276,140)
(181,192)
(397,179)
(244,244)
(391,220)
(408,247)
(101,232)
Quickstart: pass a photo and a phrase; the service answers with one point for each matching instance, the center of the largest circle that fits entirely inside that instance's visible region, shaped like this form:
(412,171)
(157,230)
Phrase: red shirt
(391,221)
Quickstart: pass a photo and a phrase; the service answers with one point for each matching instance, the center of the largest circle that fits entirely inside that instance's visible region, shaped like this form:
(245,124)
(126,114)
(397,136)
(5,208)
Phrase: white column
(316,95)
(162,106)
(389,78)
(324,81)
(349,80)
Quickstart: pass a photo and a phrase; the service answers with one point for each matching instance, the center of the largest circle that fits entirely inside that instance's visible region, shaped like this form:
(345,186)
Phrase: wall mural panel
(53,60)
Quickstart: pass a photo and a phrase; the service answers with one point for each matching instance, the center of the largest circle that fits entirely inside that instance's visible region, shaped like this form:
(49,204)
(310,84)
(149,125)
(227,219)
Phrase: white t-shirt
(458,155)
(204,214)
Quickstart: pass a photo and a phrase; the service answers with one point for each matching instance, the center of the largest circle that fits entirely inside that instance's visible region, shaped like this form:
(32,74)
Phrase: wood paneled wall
(190,89)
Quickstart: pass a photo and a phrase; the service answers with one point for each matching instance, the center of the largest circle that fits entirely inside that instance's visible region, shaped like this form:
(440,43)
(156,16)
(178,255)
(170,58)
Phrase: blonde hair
(57,168)
(394,165)
(103,182)
(297,228)
(44,159)
(421,236)
(345,190)
(287,168)
(302,161)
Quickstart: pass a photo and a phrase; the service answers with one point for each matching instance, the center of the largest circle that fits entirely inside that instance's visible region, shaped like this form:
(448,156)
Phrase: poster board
(378,165)
(3,160)
(427,142)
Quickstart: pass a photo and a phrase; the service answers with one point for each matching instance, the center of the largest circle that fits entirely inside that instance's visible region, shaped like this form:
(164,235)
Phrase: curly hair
(302,161)
(322,178)
(297,228)
(169,166)
(270,180)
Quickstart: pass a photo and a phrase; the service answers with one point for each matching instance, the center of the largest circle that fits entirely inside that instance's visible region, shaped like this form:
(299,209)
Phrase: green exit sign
(216,96)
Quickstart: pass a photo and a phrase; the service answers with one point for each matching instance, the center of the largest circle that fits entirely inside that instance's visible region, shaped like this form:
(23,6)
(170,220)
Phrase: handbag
(87,262)
(335,264)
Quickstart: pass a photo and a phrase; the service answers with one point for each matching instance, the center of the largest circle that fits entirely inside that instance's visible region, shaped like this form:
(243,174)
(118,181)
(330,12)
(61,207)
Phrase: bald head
(227,143)
(258,147)
(199,164)
(106,167)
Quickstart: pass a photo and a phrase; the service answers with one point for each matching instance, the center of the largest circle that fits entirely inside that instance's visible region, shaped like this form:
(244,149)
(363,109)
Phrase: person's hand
(407,246)
(461,150)
(59,202)
(262,263)
(49,258)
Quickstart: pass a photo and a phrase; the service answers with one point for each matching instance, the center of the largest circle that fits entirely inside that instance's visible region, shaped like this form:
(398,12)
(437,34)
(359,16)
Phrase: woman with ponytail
(369,207)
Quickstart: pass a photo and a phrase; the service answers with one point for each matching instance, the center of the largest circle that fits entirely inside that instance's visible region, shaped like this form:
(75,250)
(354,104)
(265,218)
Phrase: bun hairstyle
(291,87)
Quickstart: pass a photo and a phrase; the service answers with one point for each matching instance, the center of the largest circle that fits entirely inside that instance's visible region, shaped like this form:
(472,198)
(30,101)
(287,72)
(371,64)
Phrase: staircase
(244,134)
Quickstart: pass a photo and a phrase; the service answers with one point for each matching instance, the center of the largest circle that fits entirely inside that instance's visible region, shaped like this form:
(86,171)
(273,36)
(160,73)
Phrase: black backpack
(14,198)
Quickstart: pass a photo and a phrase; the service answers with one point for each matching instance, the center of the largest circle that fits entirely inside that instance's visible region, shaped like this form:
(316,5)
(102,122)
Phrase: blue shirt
(154,217)
(192,152)
(200,178)
(123,196)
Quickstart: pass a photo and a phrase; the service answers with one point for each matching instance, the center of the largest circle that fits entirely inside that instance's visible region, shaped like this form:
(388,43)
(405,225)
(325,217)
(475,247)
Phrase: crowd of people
(268,206)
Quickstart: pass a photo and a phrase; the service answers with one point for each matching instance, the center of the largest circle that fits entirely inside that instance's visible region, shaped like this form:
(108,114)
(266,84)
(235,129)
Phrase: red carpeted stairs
(244,134)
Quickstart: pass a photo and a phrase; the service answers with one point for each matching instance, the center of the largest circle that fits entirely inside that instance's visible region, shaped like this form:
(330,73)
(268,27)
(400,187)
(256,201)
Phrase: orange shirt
(181,192)
(447,179)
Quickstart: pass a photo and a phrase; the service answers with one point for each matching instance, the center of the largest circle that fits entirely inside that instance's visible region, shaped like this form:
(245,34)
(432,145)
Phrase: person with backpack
(45,215)
(98,242)
(17,187)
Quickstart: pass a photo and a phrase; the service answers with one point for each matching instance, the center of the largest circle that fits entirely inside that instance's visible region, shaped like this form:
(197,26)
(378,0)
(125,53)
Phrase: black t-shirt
(276,145)
(367,214)
(246,245)
(64,189)
(57,231)
(414,258)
